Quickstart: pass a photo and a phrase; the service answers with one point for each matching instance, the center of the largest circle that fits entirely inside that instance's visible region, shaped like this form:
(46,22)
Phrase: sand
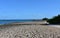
(29,31)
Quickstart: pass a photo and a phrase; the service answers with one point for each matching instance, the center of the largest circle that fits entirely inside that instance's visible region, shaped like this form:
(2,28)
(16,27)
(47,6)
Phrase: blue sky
(29,9)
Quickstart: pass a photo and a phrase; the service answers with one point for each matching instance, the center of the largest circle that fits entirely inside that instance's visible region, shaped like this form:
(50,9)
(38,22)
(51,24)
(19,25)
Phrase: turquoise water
(12,21)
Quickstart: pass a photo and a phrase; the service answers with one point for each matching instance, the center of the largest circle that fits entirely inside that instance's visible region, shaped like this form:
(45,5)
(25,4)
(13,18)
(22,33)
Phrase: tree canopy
(45,18)
(54,20)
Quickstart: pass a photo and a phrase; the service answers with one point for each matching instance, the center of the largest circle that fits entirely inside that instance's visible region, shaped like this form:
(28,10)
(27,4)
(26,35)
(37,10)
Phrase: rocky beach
(28,31)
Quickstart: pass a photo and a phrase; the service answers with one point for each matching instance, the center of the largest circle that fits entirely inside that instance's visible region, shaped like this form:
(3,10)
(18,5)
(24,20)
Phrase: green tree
(45,19)
(54,20)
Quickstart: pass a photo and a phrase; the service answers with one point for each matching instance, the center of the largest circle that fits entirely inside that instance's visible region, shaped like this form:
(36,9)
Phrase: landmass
(28,31)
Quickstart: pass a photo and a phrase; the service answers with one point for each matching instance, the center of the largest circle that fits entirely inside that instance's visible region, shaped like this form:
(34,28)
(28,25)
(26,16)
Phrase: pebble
(30,31)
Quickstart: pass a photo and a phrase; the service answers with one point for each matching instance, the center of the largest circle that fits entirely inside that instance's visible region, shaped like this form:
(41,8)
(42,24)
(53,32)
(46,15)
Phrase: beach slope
(29,31)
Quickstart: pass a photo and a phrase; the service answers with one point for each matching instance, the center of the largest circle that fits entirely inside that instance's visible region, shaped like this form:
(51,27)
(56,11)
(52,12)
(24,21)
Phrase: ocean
(12,21)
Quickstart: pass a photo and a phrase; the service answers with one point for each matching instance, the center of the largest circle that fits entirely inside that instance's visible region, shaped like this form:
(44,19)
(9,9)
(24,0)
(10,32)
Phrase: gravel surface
(29,31)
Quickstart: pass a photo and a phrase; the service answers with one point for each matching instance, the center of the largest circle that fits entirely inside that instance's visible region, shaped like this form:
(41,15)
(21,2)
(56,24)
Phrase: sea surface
(13,21)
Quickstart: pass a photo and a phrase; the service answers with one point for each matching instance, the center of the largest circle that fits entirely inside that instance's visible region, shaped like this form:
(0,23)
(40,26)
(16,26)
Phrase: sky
(29,9)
